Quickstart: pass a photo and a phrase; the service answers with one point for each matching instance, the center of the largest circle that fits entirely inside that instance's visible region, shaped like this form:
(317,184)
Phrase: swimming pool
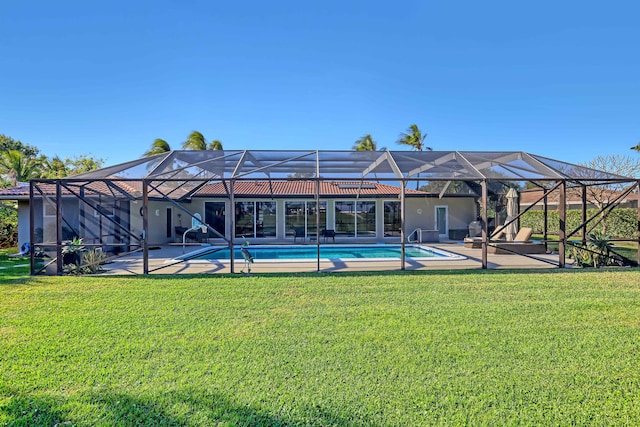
(329,252)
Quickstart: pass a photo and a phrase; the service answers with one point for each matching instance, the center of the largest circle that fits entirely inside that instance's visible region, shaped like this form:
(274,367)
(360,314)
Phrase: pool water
(328,252)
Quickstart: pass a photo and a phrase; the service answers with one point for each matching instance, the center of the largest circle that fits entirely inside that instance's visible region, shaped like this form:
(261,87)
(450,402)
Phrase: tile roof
(303,188)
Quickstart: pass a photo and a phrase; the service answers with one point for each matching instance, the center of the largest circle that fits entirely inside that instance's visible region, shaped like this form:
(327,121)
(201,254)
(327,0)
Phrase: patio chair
(329,234)
(298,232)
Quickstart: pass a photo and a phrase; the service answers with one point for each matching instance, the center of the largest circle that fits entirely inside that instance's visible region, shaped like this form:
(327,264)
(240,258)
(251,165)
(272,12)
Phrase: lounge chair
(476,242)
(298,232)
(521,244)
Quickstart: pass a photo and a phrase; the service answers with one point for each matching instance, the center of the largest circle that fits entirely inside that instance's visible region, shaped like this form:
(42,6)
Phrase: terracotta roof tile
(303,188)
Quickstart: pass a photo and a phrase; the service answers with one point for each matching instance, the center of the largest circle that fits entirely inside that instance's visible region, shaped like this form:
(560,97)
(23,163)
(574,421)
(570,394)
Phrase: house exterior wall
(420,213)
(23,222)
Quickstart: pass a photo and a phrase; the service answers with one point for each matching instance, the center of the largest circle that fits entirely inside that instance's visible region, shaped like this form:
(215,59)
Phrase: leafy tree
(414,138)
(7,143)
(195,141)
(215,145)
(603,194)
(82,163)
(18,167)
(366,143)
(158,146)
(56,167)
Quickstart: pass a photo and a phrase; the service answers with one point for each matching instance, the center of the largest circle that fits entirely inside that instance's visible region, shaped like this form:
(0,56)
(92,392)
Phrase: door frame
(446,220)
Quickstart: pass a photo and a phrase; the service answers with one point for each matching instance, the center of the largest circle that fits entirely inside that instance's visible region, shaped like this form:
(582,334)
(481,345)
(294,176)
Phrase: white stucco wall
(23,223)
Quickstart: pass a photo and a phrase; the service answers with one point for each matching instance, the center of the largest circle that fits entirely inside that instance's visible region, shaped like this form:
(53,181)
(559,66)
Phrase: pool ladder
(418,233)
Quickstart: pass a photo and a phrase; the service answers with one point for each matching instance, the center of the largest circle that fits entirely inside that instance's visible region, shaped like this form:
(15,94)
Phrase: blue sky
(559,79)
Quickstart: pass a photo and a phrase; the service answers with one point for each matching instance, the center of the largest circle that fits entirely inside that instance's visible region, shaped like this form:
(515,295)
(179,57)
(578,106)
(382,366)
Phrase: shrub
(621,222)
(8,226)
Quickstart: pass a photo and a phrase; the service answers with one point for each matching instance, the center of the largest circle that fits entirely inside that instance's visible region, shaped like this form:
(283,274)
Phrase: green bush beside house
(620,223)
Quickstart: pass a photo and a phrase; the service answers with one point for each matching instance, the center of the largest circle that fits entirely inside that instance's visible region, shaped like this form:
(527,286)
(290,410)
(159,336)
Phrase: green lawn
(12,267)
(454,348)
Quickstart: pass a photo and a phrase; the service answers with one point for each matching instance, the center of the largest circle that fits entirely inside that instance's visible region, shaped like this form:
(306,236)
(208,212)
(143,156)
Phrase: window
(256,219)
(301,215)
(366,219)
(392,222)
(245,219)
(356,218)
(49,208)
(265,219)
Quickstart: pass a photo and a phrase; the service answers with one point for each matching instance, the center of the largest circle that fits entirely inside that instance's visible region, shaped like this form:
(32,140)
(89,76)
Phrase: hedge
(8,226)
(620,223)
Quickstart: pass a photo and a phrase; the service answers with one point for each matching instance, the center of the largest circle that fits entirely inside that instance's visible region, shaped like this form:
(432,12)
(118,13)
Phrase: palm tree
(54,167)
(18,166)
(215,145)
(195,141)
(158,146)
(366,143)
(415,139)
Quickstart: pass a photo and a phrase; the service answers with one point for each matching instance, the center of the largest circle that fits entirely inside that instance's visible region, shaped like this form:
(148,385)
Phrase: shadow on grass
(179,408)
(28,410)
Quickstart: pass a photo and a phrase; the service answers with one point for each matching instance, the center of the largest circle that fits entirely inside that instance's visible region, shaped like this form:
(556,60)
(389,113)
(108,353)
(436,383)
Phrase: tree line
(413,137)
(21,162)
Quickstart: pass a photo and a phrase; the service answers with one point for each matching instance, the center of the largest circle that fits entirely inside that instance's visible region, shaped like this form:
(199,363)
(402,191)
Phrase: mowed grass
(12,267)
(459,348)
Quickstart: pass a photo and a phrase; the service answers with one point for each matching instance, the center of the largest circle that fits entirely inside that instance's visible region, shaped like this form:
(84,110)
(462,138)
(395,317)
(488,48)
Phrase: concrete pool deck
(160,263)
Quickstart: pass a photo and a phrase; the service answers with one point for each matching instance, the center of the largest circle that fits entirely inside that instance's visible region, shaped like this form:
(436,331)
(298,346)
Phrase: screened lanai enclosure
(197,202)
